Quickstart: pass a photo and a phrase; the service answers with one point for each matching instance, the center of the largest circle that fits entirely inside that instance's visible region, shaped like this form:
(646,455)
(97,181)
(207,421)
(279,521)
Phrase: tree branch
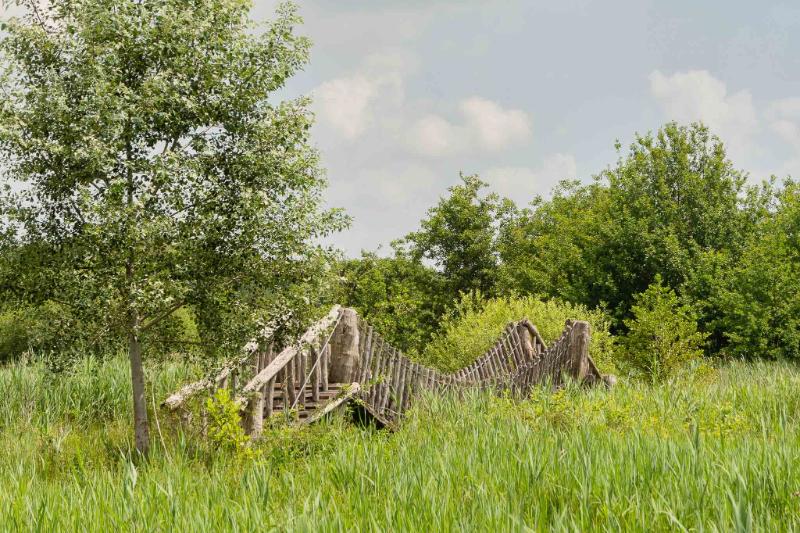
(155,320)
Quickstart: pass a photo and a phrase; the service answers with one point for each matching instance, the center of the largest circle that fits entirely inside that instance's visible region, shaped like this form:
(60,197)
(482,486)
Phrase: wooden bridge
(341,358)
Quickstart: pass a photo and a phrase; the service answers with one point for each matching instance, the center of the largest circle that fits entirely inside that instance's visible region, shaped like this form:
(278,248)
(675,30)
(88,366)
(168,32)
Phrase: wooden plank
(351,391)
(285,391)
(386,389)
(511,356)
(431,374)
(396,375)
(326,365)
(316,359)
(404,395)
(366,361)
(376,376)
(269,388)
(303,368)
(482,375)
(290,384)
(289,352)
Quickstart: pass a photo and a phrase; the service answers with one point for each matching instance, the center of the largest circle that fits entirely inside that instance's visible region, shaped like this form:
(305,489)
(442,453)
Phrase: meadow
(717,450)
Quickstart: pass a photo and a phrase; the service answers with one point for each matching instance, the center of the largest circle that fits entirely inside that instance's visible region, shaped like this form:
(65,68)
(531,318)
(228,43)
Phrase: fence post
(526,342)
(344,361)
(254,416)
(578,350)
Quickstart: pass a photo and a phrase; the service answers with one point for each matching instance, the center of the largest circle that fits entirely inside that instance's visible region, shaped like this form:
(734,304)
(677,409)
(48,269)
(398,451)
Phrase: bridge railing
(255,355)
(344,349)
(298,366)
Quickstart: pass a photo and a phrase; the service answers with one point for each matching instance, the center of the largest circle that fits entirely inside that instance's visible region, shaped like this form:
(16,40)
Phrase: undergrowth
(716,450)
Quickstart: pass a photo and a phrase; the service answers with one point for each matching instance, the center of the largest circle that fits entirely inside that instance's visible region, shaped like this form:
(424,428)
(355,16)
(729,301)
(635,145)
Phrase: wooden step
(305,404)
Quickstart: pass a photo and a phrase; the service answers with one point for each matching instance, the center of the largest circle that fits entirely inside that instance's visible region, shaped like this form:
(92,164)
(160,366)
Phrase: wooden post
(254,418)
(526,342)
(394,394)
(301,374)
(285,382)
(578,350)
(366,361)
(316,360)
(344,362)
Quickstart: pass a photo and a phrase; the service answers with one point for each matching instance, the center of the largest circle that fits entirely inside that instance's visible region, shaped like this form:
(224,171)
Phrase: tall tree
(155,169)
(459,236)
(672,198)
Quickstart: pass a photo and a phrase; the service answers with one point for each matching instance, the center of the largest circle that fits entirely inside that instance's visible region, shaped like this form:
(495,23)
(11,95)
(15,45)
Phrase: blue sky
(409,94)
(525,93)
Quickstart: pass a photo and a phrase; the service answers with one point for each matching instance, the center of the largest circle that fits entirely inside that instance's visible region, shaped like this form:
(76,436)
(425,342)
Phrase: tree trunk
(141,427)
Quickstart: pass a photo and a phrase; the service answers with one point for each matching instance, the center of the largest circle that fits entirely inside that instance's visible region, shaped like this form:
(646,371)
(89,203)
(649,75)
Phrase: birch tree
(149,164)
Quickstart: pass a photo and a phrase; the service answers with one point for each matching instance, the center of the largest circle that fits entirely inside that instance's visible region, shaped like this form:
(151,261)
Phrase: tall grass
(720,453)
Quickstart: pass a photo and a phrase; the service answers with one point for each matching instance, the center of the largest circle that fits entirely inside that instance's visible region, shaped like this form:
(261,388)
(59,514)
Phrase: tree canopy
(153,167)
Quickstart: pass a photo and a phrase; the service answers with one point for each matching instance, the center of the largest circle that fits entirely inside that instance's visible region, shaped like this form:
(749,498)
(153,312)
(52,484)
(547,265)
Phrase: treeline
(671,242)
(670,250)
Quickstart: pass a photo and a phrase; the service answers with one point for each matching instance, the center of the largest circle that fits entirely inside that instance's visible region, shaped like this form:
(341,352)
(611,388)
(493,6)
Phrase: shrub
(475,324)
(224,430)
(33,328)
(663,335)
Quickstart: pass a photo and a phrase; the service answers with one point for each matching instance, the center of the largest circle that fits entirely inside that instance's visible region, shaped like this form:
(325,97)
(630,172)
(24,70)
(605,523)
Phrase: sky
(408,94)
(525,93)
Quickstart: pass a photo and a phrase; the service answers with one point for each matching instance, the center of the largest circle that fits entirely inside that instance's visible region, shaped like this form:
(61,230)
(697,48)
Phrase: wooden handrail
(283,358)
(179,397)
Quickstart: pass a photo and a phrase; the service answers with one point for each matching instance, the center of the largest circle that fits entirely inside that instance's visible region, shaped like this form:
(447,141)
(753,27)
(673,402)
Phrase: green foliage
(475,324)
(224,424)
(550,248)
(459,236)
(641,457)
(166,186)
(752,300)
(400,297)
(662,335)
(674,197)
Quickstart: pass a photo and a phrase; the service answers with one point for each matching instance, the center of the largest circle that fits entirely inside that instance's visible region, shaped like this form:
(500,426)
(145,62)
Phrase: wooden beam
(287,355)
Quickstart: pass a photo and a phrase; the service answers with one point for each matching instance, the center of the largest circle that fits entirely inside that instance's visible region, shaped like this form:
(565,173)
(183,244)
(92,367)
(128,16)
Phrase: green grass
(720,453)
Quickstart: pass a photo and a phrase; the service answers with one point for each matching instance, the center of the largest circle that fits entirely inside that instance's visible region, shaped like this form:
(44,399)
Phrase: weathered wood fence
(341,357)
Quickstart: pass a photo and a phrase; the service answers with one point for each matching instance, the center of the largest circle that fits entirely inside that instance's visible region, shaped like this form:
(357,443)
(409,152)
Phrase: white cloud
(344,103)
(784,117)
(494,127)
(434,136)
(486,127)
(696,95)
(351,104)
(521,184)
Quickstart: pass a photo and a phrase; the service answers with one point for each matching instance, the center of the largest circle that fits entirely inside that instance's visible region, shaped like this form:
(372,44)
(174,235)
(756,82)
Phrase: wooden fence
(341,357)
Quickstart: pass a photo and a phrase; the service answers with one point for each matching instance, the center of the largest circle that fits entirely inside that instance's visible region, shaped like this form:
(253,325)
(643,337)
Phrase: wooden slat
(380,361)
(285,384)
(366,360)
(387,382)
(303,369)
(404,395)
(351,392)
(287,355)
(315,363)
(269,388)
(396,375)
(326,367)
(290,383)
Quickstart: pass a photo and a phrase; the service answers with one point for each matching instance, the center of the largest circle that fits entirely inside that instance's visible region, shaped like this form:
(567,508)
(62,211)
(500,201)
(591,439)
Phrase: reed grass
(719,452)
